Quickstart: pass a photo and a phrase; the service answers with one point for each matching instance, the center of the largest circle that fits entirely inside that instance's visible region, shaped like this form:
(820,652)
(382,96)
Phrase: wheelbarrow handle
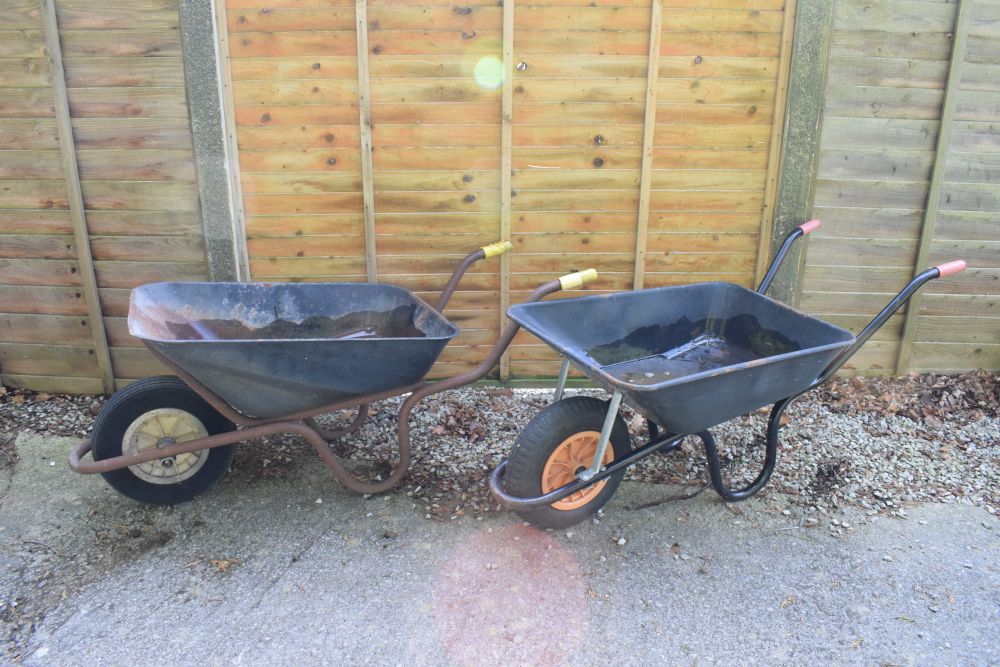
(494,249)
(491,250)
(779,257)
(939,271)
(578,279)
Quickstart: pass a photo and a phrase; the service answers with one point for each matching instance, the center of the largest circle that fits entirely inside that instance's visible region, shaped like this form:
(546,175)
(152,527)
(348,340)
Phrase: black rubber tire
(136,399)
(540,438)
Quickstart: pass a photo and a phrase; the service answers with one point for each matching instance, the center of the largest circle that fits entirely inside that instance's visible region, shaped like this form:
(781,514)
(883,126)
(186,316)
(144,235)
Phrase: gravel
(879,444)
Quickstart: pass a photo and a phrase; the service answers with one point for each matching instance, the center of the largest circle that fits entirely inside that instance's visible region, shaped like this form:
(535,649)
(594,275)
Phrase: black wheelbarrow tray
(268,358)
(685,358)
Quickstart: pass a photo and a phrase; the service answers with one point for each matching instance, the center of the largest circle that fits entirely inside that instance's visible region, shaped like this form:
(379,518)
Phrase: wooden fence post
(367,167)
(71,172)
(937,175)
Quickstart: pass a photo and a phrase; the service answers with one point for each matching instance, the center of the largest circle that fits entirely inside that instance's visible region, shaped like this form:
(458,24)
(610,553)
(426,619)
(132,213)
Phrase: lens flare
(514,596)
(489,72)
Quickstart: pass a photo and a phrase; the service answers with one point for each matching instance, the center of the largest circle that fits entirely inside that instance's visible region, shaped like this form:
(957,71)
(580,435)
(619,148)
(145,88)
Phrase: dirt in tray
(396,323)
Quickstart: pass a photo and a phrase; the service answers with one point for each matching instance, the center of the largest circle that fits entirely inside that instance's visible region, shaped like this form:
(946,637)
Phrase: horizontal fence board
(23,134)
(150,43)
(976,330)
(25,102)
(71,361)
(874,43)
(54,384)
(128,102)
(129,274)
(951,357)
(42,300)
(24,73)
(45,329)
(124,71)
(830,251)
(894,16)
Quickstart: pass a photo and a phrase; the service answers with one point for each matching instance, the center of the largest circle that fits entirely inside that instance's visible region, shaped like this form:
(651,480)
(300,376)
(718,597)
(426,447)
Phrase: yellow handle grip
(498,248)
(578,279)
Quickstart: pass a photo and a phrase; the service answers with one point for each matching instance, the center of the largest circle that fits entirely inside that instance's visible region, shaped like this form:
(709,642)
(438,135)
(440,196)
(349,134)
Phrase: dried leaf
(41,397)
(223,564)
(789,601)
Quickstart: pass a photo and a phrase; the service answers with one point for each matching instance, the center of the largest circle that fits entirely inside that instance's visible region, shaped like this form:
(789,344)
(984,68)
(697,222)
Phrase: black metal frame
(671,442)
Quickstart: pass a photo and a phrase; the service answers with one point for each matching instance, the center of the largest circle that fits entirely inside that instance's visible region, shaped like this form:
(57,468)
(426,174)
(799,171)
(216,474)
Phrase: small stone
(922,522)
(934,608)
(684,556)
(887,558)
(319,501)
(786,512)
(621,541)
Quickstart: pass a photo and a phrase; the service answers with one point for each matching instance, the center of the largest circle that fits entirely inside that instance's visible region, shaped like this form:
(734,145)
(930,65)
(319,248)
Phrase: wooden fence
(381,140)
(909,176)
(120,81)
(637,139)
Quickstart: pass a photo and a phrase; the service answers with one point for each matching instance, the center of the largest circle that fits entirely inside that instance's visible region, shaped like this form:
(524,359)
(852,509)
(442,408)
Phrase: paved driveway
(297,571)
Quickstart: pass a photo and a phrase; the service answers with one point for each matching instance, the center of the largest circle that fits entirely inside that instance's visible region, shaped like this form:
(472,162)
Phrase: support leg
(770,458)
(561,385)
(602,442)
(330,436)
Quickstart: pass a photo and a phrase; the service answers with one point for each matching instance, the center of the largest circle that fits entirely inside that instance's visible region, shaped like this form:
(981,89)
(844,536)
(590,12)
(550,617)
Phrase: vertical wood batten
(71,173)
(367,167)
(506,146)
(937,176)
(231,147)
(774,153)
(648,136)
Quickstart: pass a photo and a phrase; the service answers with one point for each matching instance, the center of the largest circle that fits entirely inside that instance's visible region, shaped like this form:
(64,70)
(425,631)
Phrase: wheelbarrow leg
(770,458)
(330,436)
(561,385)
(602,442)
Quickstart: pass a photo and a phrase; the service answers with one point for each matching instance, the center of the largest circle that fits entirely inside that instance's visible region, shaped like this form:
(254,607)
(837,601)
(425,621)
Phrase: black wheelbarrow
(269,358)
(685,358)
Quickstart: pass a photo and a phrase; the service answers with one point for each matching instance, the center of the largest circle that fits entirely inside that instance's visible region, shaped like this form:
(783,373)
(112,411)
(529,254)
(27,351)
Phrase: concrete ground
(298,571)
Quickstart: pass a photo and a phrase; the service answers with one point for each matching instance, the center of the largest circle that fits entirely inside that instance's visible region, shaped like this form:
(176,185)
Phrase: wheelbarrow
(269,358)
(685,358)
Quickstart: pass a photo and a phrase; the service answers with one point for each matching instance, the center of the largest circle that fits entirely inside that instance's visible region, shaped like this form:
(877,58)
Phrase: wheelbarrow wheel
(153,412)
(556,444)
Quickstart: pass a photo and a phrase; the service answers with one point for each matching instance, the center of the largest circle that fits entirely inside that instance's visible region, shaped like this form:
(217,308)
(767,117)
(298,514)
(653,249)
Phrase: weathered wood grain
(71,361)
(122,71)
(128,102)
(45,329)
(26,103)
(118,14)
(152,43)
(42,300)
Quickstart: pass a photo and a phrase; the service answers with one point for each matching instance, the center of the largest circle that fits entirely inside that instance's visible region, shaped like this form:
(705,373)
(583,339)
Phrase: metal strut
(770,458)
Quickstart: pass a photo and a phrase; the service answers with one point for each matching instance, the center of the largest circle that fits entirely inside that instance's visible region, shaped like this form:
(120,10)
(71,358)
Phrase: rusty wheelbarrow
(685,358)
(269,358)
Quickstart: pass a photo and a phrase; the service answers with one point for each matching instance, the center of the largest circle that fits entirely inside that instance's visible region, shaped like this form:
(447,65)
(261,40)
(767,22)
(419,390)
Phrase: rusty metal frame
(302,423)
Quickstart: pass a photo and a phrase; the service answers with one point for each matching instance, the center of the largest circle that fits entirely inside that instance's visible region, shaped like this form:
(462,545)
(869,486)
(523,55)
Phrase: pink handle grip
(810,226)
(949,268)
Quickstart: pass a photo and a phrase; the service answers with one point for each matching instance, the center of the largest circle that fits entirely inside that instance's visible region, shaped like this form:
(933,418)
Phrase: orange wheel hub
(574,454)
